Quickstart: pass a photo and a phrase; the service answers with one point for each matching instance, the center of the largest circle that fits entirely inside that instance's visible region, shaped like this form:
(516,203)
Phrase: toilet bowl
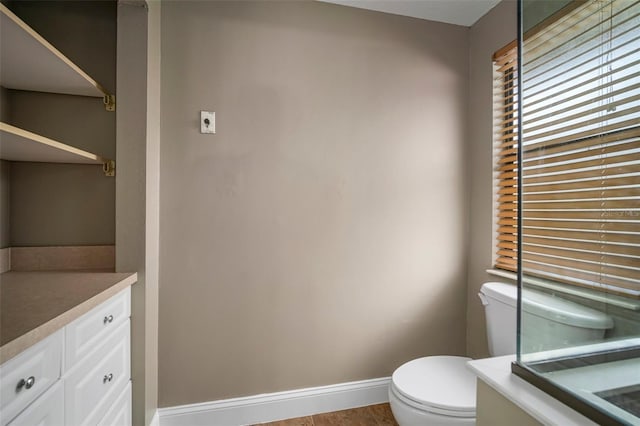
(448,400)
(440,391)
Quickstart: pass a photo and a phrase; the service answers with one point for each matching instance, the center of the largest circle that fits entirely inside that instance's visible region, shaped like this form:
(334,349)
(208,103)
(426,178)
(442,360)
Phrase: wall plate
(207,122)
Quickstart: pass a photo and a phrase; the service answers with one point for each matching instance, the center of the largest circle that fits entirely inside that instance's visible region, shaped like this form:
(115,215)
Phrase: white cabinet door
(48,410)
(94,385)
(120,413)
(86,333)
(28,375)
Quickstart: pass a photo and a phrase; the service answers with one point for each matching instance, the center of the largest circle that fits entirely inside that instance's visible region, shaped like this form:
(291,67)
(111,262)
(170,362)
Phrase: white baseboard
(278,406)
(155,421)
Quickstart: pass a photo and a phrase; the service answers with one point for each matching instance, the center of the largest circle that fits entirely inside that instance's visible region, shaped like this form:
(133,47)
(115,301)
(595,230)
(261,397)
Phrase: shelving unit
(17,144)
(29,62)
(66,273)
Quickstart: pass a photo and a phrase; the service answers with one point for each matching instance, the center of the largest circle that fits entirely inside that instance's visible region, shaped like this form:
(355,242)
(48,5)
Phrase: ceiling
(458,12)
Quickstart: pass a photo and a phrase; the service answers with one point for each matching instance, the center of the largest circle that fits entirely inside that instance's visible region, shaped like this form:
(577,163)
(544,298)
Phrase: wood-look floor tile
(353,417)
(299,421)
(383,414)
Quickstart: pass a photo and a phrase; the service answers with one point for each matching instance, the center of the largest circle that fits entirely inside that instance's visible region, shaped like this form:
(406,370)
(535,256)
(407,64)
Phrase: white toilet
(440,391)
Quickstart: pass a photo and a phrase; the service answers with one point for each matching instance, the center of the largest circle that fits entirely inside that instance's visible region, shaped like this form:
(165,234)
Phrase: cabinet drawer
(28,375)
(90,330)
(93,386)
(48,410)
(120,412)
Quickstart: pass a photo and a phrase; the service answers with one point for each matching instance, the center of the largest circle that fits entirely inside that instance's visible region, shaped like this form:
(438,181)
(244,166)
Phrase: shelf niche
(29,62)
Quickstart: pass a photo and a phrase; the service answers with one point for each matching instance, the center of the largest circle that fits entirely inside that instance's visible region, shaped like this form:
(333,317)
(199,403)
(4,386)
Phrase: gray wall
(60,204)
(319,237)
(4,107)
(67,204)
(493,31)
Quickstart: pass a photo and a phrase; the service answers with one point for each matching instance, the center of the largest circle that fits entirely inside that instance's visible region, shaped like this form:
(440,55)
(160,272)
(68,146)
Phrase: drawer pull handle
(108,319)
(27,384)
(107,378)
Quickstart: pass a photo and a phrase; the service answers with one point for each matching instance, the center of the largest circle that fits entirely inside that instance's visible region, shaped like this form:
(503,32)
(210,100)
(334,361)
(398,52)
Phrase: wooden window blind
(506,146)
(580,148)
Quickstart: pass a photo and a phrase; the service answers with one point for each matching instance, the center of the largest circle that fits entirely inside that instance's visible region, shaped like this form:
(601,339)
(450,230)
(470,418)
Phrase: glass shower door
(579,204)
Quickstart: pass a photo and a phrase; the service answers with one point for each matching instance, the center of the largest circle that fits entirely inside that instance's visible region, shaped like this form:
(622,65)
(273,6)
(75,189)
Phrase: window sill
(585,293)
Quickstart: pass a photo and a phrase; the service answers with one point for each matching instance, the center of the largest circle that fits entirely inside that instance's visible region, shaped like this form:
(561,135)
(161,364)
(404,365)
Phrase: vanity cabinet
(92,329)
(79,375)
(93,383)
(28,375)
(47,410)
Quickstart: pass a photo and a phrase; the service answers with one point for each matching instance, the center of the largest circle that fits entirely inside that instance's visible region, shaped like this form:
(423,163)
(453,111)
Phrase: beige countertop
(33,305)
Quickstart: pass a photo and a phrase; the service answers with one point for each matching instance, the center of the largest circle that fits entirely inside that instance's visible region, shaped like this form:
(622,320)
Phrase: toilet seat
(437,384)
(423,408)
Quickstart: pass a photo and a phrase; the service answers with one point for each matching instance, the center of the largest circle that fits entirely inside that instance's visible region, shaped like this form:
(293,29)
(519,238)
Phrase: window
(580,148)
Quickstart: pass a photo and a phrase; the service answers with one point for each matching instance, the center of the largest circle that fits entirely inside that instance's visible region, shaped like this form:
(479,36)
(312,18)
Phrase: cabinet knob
(107,378)
(107,319)
(27,384)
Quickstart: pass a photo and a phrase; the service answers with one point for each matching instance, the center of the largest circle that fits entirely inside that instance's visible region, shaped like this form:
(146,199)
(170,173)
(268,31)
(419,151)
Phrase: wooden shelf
(21,145)
(29,62)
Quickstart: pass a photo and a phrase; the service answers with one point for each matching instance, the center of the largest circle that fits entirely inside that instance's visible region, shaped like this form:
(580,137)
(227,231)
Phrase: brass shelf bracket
(109,168)
(109,102)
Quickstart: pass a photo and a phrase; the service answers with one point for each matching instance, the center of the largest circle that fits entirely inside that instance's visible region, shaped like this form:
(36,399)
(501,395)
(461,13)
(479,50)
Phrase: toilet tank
(549,322)
(500,304)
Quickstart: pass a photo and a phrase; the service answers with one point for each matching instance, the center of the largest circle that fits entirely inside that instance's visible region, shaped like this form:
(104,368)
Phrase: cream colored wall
(319,237)
(490,33)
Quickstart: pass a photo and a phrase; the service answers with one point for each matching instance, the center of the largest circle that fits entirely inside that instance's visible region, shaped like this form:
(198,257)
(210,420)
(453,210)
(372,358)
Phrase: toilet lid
(441,382)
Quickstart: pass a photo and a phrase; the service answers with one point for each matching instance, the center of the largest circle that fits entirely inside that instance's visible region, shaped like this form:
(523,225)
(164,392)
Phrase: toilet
(441,391)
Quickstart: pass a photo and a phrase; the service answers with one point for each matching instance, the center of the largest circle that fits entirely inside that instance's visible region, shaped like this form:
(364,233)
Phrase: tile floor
(373,415)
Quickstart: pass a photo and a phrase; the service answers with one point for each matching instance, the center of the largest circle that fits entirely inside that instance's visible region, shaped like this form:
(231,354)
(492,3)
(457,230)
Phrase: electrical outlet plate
(207,122)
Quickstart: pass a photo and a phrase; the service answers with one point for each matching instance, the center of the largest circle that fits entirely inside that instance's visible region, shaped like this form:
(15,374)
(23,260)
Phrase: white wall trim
(279,405)
(155,420)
